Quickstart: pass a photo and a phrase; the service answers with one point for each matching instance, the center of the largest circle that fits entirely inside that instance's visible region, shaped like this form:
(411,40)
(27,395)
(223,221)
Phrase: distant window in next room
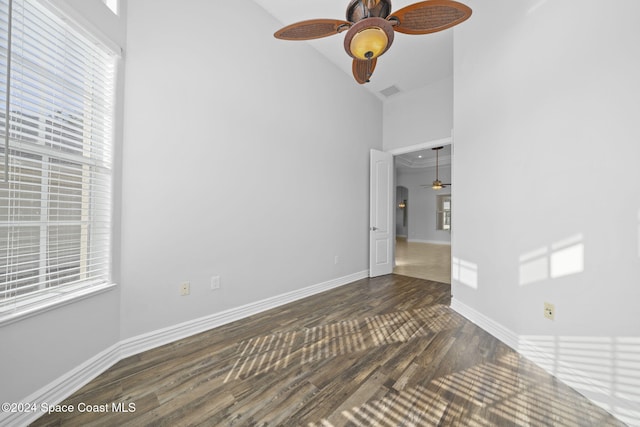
(443,212)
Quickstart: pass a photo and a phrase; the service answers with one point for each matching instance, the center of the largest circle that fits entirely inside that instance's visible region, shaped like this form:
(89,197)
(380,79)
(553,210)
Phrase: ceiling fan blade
(429,16)
(363,69)
(312,29)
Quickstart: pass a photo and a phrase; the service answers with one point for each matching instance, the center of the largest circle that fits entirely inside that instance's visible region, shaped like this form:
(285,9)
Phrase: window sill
(53,303)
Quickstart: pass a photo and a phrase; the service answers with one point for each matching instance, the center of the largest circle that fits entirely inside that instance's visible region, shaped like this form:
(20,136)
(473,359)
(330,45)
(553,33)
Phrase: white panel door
(381,214)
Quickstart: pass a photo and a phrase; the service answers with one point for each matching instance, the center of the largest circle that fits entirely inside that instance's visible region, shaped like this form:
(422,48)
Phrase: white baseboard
(58,390)
(159,337)
(432,242)
(625,409)
(504,334)
(64,386)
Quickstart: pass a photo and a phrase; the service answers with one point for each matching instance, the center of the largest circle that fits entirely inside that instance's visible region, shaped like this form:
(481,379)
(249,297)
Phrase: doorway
(422,243)
(427,261)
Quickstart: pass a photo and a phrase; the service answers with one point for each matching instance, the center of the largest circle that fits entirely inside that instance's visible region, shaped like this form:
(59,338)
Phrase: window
(443,214)
(56,111)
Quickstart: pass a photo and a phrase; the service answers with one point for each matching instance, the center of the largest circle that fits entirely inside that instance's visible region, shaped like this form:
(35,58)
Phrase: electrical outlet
(549,311)
(336,259)
(185,288)
(215,283)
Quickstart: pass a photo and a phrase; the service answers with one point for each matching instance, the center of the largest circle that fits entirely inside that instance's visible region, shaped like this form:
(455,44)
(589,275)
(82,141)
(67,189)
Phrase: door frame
(411,149)
(421,146)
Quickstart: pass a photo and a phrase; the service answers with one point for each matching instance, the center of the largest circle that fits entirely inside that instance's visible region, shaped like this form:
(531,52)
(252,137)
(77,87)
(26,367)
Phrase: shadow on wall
(605,369)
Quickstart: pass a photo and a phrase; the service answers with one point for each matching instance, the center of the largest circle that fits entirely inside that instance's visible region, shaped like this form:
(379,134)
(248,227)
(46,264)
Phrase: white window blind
(55,205)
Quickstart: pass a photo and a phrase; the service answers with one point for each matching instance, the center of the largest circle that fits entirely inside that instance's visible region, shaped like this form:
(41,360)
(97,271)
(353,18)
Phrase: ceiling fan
(437,184)
(370,25)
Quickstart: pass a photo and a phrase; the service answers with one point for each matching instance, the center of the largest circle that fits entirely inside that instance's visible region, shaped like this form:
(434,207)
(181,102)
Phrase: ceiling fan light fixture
(437,184)
(369,43)
(369,38)
(372,26)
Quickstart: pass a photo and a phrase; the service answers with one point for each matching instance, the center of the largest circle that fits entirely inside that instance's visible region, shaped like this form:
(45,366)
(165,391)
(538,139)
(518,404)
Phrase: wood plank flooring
(378,352)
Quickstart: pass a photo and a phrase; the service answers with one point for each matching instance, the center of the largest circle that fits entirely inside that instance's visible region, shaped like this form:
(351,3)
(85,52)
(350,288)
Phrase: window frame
(85,171)
(443,212)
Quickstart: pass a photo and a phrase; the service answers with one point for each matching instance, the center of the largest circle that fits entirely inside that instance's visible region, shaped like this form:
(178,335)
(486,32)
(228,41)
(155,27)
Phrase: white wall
(419,116)
(422,203)
(547,95)
(38,350)
(244,157)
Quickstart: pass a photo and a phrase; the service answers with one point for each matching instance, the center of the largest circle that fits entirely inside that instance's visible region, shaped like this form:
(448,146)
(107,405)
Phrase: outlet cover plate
(185,288)
(549,311)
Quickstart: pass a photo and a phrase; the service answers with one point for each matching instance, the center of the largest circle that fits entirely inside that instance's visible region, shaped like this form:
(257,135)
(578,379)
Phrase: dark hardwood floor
(378,352)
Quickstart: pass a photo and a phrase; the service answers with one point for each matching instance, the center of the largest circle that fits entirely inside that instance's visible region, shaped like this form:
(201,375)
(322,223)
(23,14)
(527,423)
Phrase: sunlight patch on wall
(593,355)
(464,272)
(605,369)
(567,257)
(534,266)
(627,376)
(538,349)
(564,257)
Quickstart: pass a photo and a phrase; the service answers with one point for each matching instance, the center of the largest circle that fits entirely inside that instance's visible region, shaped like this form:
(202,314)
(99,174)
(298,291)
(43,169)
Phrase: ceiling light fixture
(365,41)
(369,38)
(437,184)
(371,25)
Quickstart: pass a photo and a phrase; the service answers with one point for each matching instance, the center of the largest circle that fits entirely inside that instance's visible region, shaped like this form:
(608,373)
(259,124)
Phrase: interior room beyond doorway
(427,261)
(423,239)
